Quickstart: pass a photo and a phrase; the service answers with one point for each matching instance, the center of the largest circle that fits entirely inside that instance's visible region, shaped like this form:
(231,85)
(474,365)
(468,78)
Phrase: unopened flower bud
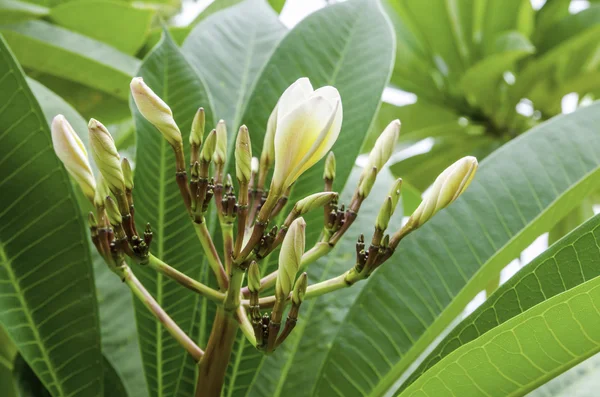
(385,213)
(254,165)
(253,277)
(197,132)
(208,149)
(127,173)
(395,191)
(220,154)
(92,220)
(445,189)
(366,182)
(71,152)
(300,289)
(383,148)
(314,201)
(106,156)
(101,192)
(156,111)
(308,124)
(243,155)
(112,211)
(267,156)
(290,258)
(329,172)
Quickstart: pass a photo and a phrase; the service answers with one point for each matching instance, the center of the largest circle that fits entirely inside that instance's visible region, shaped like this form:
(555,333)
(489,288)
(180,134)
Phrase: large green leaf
(50,49)
(229,50)
(113,22)
(47,295)
(349,46)
(524,352)
(119,333)
(169,370)
(570,262)
(8,351)
(520,191)
(12,11)
(581,381)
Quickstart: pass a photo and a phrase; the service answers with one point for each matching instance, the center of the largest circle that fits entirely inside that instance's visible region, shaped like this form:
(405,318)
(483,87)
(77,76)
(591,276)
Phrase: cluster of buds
(113,230)
(301,131)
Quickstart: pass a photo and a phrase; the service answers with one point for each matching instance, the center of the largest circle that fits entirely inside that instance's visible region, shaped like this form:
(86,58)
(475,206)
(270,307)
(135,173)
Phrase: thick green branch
(211,254)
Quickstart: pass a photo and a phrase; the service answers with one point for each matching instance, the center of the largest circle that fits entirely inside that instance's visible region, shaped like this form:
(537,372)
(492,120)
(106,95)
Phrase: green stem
(143,295)
(246,326)
(211,253)
(184,280)
(213,365)
(232,299)
(227,232)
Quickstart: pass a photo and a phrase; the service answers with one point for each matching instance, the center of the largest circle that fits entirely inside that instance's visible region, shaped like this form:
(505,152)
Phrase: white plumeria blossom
(308,124)
(71,151)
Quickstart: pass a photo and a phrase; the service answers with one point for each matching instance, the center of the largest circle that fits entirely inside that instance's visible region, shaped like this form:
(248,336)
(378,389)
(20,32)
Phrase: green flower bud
(198,124)
(290,258)
(127,173)
(395,191)
(156,111)
(101,192)
(366,181)
(300,289)
(329,172)
(383,148)
(208,149)
(71,152)
(112,211)
(243,155)
(314,201)
(220,154)
(385,213)
(253,277)
(445,189)
(92,220)
(106,156)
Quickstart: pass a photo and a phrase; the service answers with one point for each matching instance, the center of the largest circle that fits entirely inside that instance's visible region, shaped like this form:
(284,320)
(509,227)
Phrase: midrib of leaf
(161,227)
(492,266)
(25,308)
(236,365)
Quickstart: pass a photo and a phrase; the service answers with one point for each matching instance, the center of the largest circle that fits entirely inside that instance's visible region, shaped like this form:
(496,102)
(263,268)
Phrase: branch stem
(184,280)
(143,295)
(211,253)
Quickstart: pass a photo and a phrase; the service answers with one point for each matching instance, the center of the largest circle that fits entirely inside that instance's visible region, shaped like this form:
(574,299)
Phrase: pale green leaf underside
(118,24)
(349,46)
(43,245)
(524,352)
(229,50)
(50,49)
(519,192)
(582,380)
(169,370)
(570,262)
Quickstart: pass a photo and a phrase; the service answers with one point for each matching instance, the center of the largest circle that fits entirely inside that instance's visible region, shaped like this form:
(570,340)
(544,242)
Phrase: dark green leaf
(520,191)
(169,370)
(47,295)
(570,262)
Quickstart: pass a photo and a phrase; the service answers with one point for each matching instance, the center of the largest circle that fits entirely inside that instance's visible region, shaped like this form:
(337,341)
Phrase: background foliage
(487,78)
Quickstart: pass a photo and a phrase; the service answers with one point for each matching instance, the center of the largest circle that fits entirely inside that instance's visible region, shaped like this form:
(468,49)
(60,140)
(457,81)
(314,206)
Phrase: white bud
(314,201)
(447,187)
(220,155)
(71,152)
(156,111)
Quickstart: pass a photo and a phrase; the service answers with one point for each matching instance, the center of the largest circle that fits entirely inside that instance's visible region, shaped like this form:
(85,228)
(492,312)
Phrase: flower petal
(295,94)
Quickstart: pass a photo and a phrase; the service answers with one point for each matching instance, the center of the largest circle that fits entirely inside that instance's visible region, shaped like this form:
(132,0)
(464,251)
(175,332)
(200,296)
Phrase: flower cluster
(301,131)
